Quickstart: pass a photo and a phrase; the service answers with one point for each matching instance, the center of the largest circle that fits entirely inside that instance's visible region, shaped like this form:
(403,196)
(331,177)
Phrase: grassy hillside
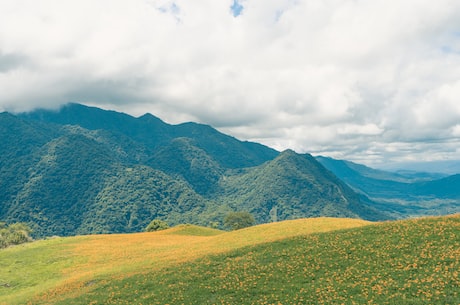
(291,262)
(47,269)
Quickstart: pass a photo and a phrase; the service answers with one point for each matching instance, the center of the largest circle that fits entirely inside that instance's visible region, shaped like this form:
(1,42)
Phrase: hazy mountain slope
(445,167)
(400,194)
(448,187)
(373,183)
(350,170)
(377,183)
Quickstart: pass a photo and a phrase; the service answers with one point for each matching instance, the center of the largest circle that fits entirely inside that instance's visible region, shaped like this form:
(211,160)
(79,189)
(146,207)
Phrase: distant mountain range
(84,170)
(402,194)
(446,167)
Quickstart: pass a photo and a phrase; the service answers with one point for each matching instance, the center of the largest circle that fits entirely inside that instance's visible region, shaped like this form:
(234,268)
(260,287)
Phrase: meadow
(308,261)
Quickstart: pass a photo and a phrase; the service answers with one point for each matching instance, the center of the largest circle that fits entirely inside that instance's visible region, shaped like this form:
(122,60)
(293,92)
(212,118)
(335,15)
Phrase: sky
(371,81)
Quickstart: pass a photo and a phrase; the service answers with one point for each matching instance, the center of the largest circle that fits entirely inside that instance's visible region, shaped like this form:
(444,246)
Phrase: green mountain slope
(21,140)
(297,186)
(130,197)
(153,133)
(66,175)
(181,157)
(114,173)
(146,129)
(72,181)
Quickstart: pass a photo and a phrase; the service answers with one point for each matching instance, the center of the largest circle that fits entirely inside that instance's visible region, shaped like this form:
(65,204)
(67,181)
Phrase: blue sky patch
(236,8)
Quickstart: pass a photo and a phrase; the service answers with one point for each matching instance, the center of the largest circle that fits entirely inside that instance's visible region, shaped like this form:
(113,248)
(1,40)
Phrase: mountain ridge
(152,132)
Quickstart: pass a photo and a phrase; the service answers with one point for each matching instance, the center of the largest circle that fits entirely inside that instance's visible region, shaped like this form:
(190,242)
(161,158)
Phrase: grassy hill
(306,261)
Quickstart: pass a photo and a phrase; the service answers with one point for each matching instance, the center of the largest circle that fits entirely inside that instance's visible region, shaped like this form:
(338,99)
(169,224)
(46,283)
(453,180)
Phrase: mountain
(153,133)
(404,193)
(182,157)
(70,180)
(448,187)
(446,167)
(84,170)
(297,186)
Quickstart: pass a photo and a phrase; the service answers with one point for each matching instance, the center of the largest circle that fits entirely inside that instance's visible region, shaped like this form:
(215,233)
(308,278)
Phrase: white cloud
(353,129)
(347,78)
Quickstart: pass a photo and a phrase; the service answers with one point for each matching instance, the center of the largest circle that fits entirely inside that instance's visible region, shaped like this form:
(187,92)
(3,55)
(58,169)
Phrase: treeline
(14,234)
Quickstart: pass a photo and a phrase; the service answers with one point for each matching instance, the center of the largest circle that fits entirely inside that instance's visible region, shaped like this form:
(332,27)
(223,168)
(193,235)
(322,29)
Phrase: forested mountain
(404,193)
(298,186)
(84,170)
(152,133)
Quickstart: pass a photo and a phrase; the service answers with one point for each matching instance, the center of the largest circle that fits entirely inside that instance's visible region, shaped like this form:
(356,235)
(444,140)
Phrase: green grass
(402,262)
(193,230)
(409,262)
(28,268)
(47,271)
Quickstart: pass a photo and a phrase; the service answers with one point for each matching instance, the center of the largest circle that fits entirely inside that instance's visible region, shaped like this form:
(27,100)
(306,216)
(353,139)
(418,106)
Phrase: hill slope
(62,266)
(114,173)
(302,261)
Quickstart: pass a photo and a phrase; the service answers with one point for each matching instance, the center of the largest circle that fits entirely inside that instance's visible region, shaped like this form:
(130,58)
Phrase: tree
(14,234)
(239,220)
(157,225)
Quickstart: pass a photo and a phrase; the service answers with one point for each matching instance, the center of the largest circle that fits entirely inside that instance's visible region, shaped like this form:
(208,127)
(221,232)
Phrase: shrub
(239,220)
(14,234)
(157,225)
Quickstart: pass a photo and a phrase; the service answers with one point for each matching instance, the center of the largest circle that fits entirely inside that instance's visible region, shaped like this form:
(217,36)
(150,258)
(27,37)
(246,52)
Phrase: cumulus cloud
(370,81)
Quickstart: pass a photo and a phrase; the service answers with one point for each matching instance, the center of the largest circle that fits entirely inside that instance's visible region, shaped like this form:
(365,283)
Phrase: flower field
(312,261)
(47,270)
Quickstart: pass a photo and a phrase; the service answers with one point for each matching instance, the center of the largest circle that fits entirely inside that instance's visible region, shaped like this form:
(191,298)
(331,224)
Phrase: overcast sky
(373,81)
